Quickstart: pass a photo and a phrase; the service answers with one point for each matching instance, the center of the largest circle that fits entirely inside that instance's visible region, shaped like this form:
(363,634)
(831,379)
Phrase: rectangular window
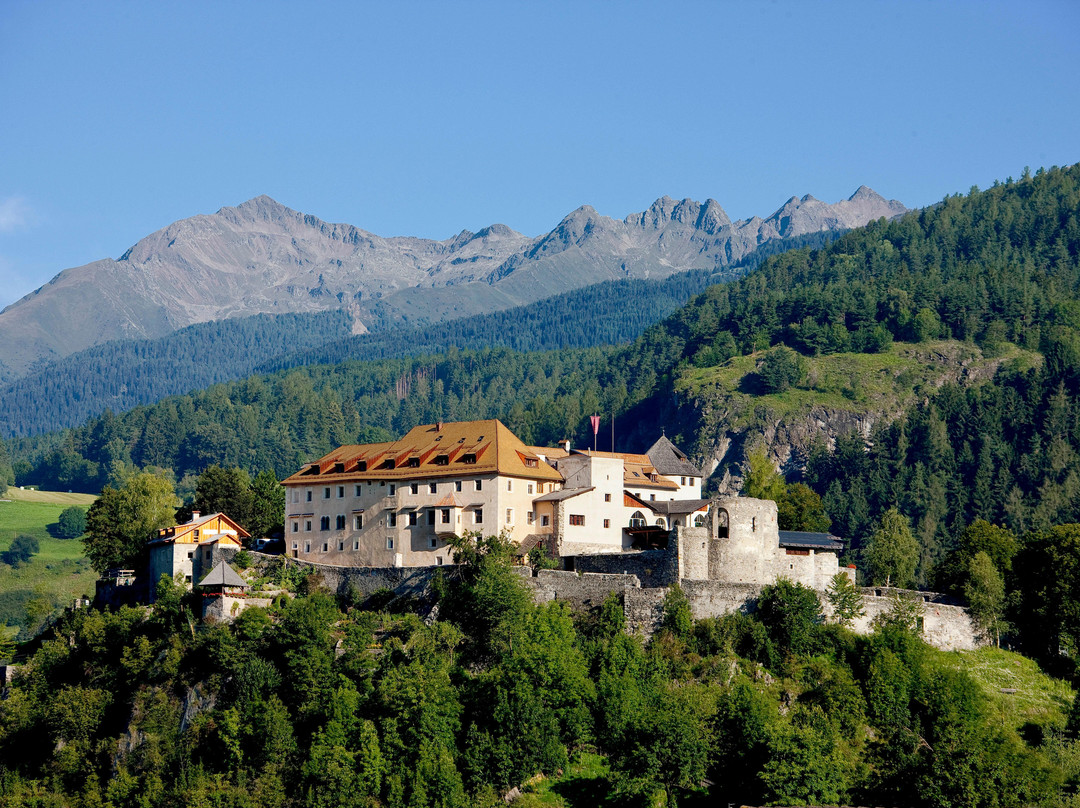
(324,523)
(414,488)
(296,545)
(340,491)
(509,485)
(444,516)
(307,525)
(357,492)
(414,519)
(577,519)
(325,547)
(389,542)
(431,517)
(530,488)
(479,485)
(457,485)
(683,481)
(341,546)
(393,489)
(607,523)
(545,520)
(529,517)
(340,521)
(189,555)
(309,495)
(509,516)
(307,547)
(478,516)
(652,497)
(356,544)
(295,527)
(433,543)
(438,561)
(358,521)
(433,488)
(326,493)
(607,497)
(296,495)
(391,519)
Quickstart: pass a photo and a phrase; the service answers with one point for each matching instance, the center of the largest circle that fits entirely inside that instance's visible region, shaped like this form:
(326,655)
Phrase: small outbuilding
(188,549)
(223,592)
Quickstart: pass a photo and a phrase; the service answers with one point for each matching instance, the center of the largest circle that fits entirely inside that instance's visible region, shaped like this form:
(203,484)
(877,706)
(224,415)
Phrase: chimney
(438,426)
(565,445)
(195,515)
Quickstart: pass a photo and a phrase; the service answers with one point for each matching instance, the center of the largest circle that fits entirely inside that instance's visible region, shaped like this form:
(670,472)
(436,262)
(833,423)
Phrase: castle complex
(382,515)
(397,504)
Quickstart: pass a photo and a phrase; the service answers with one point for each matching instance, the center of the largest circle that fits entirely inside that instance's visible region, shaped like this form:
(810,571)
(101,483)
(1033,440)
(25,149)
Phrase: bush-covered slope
(321,702)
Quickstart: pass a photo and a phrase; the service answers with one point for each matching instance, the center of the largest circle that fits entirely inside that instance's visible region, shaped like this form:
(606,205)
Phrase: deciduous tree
(892,551)
(122,520)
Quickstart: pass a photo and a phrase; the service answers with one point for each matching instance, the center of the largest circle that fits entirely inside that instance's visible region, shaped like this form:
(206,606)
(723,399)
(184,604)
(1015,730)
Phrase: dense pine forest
(322,700)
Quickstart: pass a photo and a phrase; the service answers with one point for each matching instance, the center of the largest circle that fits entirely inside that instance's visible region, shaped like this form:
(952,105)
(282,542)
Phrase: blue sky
(426,118)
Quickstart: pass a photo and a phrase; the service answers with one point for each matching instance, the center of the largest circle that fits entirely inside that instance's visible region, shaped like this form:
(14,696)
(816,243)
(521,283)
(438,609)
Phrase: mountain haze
(264,258)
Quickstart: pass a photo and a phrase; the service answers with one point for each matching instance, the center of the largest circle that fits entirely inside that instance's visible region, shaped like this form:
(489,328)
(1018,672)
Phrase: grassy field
(59,572)
(1038,699)
(852,382)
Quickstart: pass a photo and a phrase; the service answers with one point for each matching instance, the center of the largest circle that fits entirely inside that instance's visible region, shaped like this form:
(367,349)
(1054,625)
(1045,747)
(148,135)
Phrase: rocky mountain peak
(712,218)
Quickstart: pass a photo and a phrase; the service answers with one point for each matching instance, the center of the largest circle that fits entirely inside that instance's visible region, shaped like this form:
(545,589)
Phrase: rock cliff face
(721,426)
(264,258)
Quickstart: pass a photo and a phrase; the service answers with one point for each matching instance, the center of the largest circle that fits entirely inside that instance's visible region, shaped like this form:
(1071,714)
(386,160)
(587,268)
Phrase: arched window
(721,523)
(661,523)
(637,519)
(699,520)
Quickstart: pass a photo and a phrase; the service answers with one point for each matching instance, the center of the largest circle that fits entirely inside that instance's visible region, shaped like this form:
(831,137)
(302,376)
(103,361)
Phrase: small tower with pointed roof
(670,461)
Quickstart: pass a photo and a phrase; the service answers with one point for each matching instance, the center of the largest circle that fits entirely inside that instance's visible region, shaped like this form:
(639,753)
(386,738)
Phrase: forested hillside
(322,700)
(280,421)
(995,266)
(120,375)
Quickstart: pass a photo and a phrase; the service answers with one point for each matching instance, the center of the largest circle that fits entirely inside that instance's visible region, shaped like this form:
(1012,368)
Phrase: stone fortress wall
(719,574)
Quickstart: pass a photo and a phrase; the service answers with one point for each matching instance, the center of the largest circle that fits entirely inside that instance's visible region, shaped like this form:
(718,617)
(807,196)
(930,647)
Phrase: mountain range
(264,258)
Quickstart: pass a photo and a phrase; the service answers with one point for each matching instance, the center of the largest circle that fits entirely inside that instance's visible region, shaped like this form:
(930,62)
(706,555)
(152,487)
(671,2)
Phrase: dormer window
(414,462)
(387,464)
(530,462)
(442,460)
(361,466)
(468,457)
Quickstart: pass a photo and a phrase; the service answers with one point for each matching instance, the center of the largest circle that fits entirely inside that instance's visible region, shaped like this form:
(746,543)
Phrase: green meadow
(57,574)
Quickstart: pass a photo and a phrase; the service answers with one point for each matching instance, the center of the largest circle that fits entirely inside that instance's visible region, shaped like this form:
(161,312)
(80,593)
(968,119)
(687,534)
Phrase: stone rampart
(366,581)
(636,578)
(651,567)
(580,590)
(945,624)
